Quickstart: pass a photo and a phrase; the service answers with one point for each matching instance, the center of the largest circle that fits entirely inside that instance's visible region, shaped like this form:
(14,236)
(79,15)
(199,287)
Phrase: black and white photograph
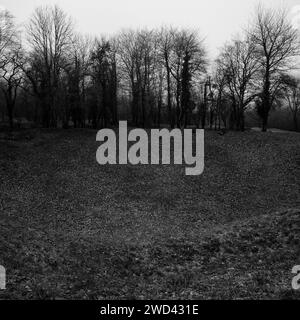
(149,151)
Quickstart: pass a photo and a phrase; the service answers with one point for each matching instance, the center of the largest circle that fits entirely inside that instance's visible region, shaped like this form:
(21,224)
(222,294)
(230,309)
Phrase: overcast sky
(216,20)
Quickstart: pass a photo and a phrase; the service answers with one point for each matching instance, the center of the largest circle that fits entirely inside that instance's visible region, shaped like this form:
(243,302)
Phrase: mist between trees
(56,77)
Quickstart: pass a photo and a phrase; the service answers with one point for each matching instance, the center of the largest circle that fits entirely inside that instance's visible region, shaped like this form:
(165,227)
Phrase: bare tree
(137,51)
(127,53)
(220,81)
(189,60)
(291,94)
(104,76)
(9,36)
(49,33)
(238,66)
(276,45)
(166,44)
(11,77)
(77,71)
(10,56)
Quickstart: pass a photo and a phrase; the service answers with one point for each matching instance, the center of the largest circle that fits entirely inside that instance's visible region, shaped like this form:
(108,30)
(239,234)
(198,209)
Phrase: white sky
(216,20)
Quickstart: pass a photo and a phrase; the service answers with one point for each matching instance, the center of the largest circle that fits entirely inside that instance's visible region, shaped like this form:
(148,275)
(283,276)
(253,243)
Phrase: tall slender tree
(277,43)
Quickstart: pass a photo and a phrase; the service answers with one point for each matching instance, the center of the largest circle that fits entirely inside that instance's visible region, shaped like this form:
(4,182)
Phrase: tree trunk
(242,120)
(10,116)
(266,103)
(295,121)
(159,111)
(171,123)
(264,124)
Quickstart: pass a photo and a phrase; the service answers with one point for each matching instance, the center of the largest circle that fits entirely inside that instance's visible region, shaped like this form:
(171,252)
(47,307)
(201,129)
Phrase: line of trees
(255,69)
(150,77)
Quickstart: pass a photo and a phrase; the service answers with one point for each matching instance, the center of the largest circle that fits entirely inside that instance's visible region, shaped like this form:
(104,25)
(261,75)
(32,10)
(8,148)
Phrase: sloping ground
(273,130)
(73,229)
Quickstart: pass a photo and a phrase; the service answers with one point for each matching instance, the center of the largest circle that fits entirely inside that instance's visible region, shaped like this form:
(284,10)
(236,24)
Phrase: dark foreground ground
(73,229)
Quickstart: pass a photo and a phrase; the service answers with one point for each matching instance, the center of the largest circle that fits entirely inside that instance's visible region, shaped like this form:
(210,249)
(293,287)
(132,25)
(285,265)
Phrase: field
(73,229)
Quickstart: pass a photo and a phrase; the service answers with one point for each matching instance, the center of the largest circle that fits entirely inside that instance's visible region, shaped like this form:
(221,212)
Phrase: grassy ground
(73,229)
